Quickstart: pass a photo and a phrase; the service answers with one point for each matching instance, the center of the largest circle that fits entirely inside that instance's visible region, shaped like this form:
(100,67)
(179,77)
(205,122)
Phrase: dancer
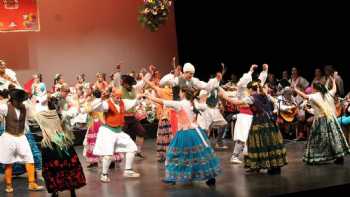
(110,137)
(217,121)
(245,115)
(189,156)
(96,119)
(18,168)
(13,143)
(326,141)
(61,166)
(164,133)
(265,142)
(186,79)
(132,126)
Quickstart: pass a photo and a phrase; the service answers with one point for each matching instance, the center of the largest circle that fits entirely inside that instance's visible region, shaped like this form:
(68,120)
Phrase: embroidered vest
(113,117)
(15,126)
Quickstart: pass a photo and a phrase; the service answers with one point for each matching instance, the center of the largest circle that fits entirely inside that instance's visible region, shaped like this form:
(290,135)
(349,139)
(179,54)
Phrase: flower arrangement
(154,13)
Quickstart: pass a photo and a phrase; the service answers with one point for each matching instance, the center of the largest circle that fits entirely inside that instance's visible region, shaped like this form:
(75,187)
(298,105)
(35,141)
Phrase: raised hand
(152,68)
(253,67)
(219,76)
(265,66)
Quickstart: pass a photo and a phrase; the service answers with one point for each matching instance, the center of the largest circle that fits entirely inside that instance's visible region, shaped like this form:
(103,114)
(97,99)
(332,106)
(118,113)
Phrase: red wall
(87,36)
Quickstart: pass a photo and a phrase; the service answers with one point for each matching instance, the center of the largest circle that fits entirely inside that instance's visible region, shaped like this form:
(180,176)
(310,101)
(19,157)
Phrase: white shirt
(170,79)
(183,105)
(102,105)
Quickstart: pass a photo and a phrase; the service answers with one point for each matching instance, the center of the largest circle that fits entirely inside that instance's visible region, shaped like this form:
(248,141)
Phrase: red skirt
(62,169)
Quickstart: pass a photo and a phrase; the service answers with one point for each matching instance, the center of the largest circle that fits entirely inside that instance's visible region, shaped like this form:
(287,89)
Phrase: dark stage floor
(234,181)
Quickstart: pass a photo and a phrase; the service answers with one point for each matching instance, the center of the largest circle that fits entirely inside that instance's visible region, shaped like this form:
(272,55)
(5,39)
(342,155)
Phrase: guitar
(339,105)
(290,115)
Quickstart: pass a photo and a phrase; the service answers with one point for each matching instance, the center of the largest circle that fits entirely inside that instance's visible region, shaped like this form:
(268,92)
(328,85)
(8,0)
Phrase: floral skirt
(190,158)
(163,137)
(265,145)
(326,141)
(62,169)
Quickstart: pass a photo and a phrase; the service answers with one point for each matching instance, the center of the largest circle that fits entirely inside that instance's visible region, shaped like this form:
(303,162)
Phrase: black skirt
(62,169)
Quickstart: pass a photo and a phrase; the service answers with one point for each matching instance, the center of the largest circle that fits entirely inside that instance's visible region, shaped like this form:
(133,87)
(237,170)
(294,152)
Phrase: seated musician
(287,111)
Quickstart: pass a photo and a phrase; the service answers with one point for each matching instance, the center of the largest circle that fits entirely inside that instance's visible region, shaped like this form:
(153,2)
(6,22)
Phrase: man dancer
(132,126)
(186,79)
(110,138)
(14,145)
(245,115)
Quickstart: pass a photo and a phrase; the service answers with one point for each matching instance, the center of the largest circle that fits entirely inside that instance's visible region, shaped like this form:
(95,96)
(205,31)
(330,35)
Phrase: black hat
(18,95)
(128,80)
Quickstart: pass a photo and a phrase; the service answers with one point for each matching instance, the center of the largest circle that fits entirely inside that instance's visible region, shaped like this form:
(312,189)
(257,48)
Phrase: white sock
(106,162)
(129,160)
(139,148)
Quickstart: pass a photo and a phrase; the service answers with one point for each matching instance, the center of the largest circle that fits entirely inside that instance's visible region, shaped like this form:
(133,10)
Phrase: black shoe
(54,194)
(339,160)
(72,193)
(274,171)
(140,155)
(92,165)
(169,182)
(112,166)
(211,182)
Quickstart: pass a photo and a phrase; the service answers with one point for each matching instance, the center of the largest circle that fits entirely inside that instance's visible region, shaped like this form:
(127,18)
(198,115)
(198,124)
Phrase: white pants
(15,149)
(242,127)
(109,142)
(211,117)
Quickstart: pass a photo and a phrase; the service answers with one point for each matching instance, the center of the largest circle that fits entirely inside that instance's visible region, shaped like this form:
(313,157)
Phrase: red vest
(113,117)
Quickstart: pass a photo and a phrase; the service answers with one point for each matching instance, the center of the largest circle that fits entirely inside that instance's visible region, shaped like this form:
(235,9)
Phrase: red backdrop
(19,15)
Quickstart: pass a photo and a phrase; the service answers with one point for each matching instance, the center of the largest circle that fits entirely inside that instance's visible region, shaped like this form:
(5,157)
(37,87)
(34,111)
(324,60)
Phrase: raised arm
(263,74)
(224,95)
(154,87)
(302,94)
(247,77)
(334,85)
(155,99)
(212,83)
(172,104)
(168,79)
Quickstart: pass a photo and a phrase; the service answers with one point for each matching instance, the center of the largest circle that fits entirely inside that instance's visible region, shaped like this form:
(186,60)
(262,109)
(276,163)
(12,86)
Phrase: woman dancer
(326,141)
(190,156)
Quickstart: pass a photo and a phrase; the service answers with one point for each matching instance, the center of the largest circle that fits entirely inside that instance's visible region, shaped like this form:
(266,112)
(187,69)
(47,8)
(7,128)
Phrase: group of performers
(188,111)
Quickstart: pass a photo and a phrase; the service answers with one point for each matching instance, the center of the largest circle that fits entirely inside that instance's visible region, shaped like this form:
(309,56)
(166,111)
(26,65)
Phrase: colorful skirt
(163,137)
(190,158)
(62,169)
(326,141)
(18,168)
(89,144)
(265,145)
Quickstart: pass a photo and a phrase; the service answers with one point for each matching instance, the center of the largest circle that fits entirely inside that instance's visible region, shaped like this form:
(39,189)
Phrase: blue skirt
(19,169)
(189,159)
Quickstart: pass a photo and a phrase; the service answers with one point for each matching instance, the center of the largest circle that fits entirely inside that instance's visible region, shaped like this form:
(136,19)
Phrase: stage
(234,180)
